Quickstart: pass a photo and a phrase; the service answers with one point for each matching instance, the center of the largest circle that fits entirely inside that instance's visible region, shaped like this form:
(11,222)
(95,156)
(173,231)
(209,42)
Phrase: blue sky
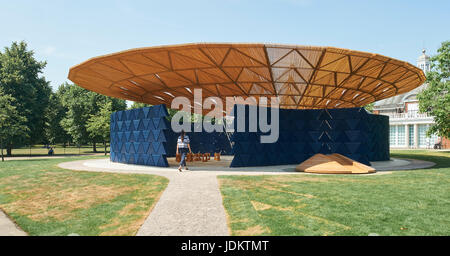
(65,33)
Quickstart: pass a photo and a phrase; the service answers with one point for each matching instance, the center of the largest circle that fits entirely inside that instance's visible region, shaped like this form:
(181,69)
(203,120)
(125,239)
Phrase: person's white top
(184,143)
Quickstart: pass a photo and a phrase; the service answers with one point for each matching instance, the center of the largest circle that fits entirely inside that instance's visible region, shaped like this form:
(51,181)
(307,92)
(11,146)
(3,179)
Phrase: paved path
(8,227)
(191,205)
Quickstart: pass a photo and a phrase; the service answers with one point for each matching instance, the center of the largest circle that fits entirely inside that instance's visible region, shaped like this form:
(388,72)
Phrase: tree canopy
(81,105)
(435,99)
(139,105)
(98,124)
(54,114)
(20,77)
(12,123)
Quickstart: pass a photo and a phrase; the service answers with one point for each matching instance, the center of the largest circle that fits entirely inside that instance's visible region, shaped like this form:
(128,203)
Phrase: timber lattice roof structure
(300,76)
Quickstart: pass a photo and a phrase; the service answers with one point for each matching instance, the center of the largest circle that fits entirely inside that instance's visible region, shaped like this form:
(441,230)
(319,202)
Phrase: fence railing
(58,150)
(409,114)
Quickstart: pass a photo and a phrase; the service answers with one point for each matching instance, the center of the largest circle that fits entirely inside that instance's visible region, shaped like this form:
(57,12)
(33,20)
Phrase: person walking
(183,145)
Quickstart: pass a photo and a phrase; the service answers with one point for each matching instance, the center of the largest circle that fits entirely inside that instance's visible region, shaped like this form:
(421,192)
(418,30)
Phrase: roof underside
(300,76)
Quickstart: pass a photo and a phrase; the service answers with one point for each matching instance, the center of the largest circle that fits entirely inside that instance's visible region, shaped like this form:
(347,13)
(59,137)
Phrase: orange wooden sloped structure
(333,164)
(300,76)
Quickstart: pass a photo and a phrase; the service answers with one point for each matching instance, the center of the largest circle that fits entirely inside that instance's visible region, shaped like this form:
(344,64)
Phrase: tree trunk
(1,145)
(94,147)
(104,144)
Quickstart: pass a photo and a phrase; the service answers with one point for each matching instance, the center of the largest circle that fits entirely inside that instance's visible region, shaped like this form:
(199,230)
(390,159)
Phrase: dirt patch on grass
(253,231)
(47,202)
(260,206)
(47,196)
(138,209)
(293,202)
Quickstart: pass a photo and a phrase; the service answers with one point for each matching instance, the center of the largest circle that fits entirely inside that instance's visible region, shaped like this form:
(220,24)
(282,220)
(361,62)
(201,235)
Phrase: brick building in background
(408,127)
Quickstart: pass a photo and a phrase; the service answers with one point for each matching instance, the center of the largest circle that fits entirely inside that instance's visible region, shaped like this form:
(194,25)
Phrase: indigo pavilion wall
(139,136)
(351,132)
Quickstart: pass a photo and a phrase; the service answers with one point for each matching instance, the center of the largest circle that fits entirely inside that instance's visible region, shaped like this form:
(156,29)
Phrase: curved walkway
(8,227)
(192,205)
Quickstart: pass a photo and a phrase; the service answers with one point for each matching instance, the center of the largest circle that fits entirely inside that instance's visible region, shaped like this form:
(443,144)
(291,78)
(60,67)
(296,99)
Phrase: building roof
(423,58)
(300,76)
(398,100)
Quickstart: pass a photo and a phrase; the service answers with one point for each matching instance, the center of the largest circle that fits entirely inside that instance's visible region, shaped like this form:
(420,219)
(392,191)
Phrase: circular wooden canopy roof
(300,76)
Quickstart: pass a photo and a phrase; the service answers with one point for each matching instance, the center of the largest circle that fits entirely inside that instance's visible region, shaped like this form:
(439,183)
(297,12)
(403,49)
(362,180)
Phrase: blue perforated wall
(138,136)
(303,133)
(143,137)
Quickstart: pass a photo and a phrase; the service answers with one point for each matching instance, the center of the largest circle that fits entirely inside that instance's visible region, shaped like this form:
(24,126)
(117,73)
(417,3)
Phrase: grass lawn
(402,203)
(46,200)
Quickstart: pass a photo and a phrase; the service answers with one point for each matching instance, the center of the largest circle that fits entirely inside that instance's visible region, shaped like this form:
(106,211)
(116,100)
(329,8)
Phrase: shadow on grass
(442,160)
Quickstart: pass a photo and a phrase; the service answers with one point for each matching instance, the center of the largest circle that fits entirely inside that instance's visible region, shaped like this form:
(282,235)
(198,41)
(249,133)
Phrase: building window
(411,135)
(424,141)
(401,135)
(413,107)
(392,135)
(423,135)
(433,139)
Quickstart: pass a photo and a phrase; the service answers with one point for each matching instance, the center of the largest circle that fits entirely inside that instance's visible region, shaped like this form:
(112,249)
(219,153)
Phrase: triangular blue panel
(136,136)
(146,135)
(156,146)
(141,137)
(156,121)
(353,135)
(136,124)
(314,135)
(146,123)
(325,126)
(352,123)
(123,148)
(316,147)
(141,160)
(353,147)
(127,125)
(150,161)
(140,114)
(141,126)
(324,115)
(158,160)
(146,112)
(128,136)
(325,137)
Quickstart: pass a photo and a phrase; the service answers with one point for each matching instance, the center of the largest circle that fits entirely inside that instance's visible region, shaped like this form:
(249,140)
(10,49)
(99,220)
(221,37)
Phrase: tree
(139,105)
(81,104)
(369,107)
(54,113)
(12,124)
(20,78)
(435,99)
(98,125)
(78,103)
